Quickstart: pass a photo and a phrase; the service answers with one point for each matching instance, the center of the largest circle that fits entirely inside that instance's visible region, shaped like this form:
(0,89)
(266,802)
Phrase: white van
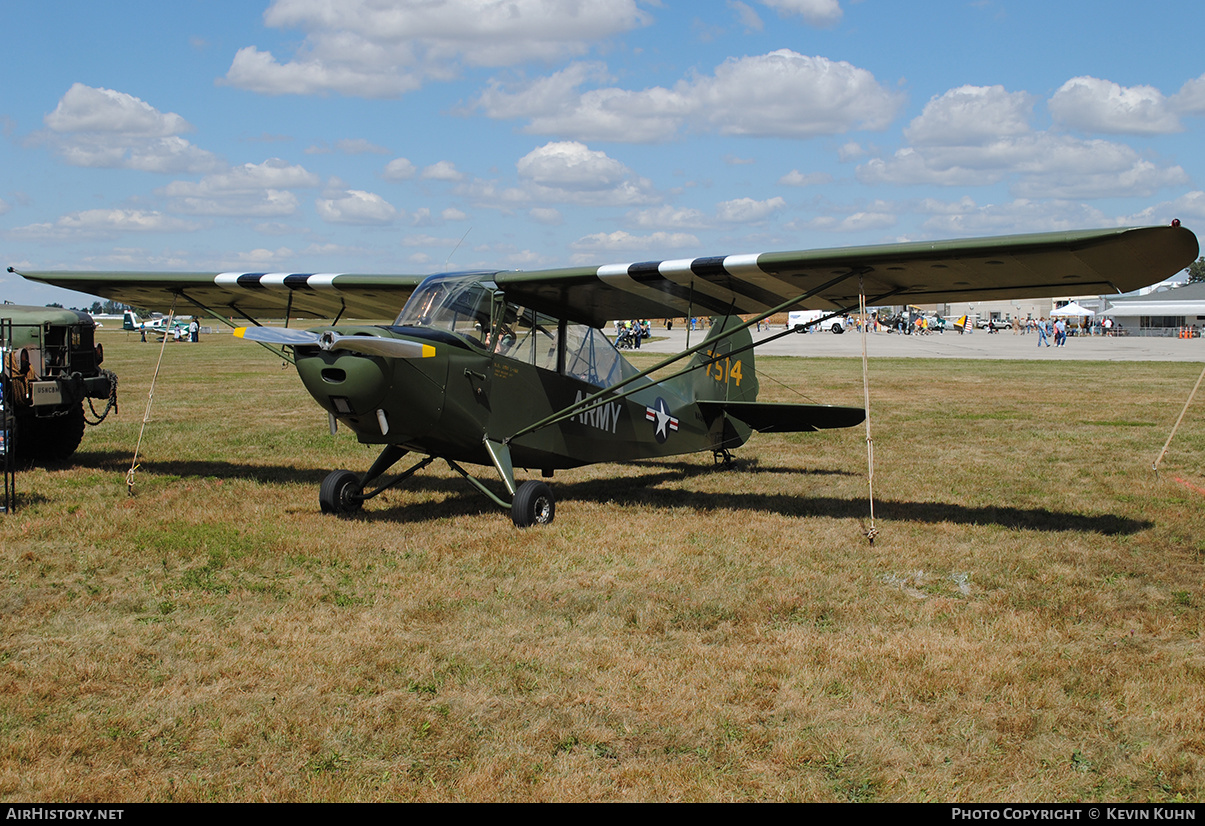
(807,318)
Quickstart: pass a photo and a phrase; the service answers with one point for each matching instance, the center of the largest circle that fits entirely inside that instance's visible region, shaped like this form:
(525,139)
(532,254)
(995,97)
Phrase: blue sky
(373,136)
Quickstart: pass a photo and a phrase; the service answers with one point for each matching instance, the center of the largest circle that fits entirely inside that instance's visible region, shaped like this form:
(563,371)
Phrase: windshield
(454,304)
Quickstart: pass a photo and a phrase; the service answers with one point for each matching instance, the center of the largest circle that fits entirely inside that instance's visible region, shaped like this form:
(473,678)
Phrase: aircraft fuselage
(450,404)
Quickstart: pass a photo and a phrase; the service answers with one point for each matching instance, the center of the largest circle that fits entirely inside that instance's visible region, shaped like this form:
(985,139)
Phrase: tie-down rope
(150,397)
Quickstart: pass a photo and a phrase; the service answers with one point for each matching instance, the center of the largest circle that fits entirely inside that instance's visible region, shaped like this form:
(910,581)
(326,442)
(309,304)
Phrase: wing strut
(608,394)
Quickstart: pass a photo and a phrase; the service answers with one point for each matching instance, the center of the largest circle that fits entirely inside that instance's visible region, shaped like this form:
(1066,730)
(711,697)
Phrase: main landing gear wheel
(533,505)
(339,493)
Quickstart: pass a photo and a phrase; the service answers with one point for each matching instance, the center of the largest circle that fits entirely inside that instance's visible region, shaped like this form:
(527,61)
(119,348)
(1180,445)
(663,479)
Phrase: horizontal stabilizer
(772,417)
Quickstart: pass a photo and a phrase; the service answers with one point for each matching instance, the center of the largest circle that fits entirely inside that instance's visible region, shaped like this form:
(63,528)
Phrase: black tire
(837,328)
(49,438)
(338,493)
(533,505)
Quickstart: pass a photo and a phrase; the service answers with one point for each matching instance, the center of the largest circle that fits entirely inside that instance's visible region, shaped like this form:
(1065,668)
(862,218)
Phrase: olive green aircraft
(511,370)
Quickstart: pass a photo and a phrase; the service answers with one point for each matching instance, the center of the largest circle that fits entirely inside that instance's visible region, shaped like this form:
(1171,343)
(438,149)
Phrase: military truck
(52,367)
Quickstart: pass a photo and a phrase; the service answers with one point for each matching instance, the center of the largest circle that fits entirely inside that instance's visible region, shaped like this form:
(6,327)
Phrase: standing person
(1042,332)
(1060,333)
(194,331)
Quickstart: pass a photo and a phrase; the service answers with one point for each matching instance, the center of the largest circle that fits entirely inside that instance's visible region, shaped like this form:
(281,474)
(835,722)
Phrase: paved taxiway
(978,345)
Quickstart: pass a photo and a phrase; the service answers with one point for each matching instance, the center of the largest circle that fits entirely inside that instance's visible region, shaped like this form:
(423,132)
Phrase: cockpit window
(458,305)
(591,357)
(463,304)
(528,336)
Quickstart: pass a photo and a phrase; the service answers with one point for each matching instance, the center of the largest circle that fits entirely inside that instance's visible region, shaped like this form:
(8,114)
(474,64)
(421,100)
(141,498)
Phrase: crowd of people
(629,334)
(1051,332)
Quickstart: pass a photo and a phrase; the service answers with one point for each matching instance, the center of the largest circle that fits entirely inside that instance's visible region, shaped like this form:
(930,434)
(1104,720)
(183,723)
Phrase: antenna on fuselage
(458,243)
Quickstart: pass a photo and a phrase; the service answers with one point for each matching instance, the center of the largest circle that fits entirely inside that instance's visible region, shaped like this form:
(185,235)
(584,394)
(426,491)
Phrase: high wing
(978,269)
(1086,262)
(246,294)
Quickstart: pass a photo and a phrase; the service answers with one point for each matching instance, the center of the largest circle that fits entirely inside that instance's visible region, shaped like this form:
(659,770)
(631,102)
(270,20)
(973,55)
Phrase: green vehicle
(54,364)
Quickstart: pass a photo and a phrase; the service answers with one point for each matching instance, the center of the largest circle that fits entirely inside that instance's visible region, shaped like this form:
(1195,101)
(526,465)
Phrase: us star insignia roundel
(662,421)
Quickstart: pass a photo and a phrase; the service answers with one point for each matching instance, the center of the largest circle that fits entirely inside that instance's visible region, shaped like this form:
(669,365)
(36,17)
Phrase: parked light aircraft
(511,369)
(158,326)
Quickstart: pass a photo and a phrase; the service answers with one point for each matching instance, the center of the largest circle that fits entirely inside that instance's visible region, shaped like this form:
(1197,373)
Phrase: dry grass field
(1027,626)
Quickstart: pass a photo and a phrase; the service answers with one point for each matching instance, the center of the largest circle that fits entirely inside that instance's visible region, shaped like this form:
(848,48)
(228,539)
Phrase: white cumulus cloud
(259,190)
(96,127)
(815,12)
(87,109)
(780,94)
(399,169)
(571,172)
(371,48)
(797,178)
(1090,104)
(748,210)
(978,136)
(104,223)
(669,216)
(620,241)
(1191,98)
(971,115)
(442,171)
(356,207)
(571,165)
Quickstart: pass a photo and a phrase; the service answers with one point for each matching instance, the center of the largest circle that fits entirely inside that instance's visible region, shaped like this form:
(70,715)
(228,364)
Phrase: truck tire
(49,438)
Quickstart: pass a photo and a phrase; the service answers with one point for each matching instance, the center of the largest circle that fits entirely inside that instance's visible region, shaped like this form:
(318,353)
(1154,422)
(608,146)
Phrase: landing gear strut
(343,492)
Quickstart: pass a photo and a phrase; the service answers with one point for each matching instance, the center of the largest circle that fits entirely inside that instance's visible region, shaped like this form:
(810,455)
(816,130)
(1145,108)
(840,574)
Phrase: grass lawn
(1027,625)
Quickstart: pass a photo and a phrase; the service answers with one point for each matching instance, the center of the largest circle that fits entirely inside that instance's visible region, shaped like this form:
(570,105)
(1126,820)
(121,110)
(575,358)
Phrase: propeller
(370,345)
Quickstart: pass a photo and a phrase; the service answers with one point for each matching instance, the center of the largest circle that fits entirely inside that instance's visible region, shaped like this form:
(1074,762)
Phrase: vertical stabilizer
(725,367)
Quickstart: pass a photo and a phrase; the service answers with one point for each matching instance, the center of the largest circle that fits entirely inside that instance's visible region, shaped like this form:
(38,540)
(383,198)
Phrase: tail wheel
(533,505)
(339,493)
(722,457)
